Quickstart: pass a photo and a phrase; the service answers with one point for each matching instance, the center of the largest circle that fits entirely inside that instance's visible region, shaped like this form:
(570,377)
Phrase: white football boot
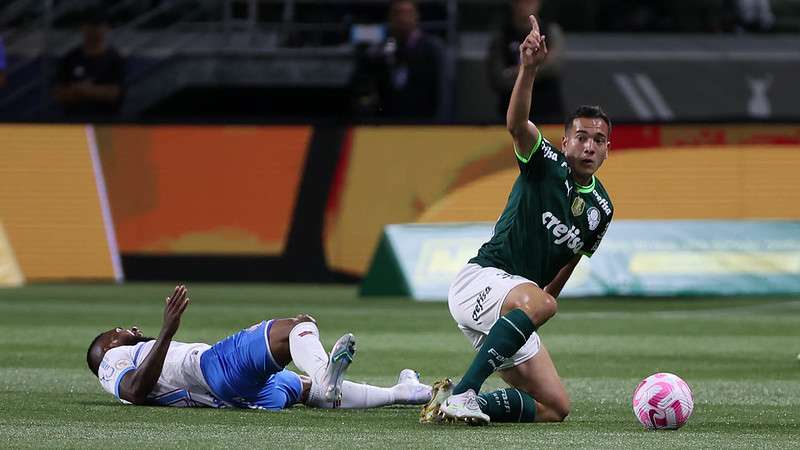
(464,407)
(409,390)
(342,354)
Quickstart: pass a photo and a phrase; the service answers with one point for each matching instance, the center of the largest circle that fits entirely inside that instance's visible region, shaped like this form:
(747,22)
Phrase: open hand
(533,49)
(175,306)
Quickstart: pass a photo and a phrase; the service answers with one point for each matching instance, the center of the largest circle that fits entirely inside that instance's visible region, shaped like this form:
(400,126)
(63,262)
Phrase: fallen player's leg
(329,389)
(247,370)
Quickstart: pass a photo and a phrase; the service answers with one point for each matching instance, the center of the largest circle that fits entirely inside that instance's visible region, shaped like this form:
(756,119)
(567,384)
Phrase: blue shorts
(241,372)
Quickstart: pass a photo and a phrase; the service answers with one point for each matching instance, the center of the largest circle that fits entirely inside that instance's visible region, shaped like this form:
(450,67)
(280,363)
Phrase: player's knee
(521,300)
(549,306)
(300,318)
(539,306)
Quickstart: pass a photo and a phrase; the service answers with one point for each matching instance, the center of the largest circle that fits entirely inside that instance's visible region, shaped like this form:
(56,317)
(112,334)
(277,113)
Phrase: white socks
(310,357)
(307,351)
(354,396)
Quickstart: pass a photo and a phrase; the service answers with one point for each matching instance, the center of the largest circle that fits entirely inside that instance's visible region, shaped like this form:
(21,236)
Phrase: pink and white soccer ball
(663,401)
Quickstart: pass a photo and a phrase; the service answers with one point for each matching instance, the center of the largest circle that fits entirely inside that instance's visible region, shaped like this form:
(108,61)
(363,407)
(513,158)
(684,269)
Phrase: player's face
(586,145)
(125,336)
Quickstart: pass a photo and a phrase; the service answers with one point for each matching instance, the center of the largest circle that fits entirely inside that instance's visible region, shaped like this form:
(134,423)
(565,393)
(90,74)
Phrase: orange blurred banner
(51,205)
(203,189)
(232,190)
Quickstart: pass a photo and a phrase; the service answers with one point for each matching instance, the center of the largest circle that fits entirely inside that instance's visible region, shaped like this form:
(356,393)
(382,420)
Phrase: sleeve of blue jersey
(119,380)
(126,370)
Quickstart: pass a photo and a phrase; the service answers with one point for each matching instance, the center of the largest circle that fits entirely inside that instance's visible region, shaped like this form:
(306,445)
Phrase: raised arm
(138,383)
(532,53)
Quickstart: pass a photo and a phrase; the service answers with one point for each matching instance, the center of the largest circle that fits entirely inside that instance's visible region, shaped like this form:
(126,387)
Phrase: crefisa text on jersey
(562,232)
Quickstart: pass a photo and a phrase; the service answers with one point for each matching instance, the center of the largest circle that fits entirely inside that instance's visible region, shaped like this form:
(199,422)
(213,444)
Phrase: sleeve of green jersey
(536,146)
(594,244)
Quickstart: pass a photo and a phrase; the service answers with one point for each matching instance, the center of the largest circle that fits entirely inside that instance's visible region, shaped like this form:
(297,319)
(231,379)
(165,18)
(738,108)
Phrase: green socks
(508,405)
(506,337)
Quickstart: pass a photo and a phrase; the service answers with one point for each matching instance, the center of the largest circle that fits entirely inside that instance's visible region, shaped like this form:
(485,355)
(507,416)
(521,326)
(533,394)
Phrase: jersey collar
(585,189)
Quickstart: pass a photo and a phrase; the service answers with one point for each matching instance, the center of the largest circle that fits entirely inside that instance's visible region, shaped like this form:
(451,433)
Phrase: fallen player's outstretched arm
(138,383)
(532,53)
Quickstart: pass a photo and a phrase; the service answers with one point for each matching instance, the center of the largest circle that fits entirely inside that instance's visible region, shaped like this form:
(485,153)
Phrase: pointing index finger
(534,23)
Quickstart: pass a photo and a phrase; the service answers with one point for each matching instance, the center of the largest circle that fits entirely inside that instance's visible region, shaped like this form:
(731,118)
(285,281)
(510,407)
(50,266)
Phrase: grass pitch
(738,355)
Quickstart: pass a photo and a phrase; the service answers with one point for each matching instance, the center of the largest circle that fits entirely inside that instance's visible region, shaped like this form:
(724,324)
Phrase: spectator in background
(89,78)
(401,76)
(754,15)
(2,64)
(503,62)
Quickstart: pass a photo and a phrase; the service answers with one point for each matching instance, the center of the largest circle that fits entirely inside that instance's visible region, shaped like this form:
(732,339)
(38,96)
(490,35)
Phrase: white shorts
(475,299)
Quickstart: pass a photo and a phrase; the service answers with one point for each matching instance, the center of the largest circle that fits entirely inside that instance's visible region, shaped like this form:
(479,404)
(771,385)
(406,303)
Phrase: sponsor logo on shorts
(476,313)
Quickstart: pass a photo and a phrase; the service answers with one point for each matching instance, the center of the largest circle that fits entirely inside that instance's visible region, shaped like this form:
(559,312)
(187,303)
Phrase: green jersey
(548,219)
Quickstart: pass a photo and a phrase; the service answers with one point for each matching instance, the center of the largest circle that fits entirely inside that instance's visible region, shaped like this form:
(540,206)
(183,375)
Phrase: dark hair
(590,112)
(91,359)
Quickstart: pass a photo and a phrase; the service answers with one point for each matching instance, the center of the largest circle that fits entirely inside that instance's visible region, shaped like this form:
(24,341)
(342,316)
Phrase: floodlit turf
(738,355)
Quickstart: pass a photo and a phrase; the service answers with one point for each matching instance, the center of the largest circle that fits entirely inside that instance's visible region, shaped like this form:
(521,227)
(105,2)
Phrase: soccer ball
(663,401)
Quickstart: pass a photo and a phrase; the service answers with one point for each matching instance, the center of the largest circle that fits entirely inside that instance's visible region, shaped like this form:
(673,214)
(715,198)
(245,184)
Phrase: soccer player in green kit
(557,212)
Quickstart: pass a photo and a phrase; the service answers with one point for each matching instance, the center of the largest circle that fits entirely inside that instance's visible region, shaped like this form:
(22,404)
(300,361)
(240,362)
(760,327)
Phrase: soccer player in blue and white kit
(245,370)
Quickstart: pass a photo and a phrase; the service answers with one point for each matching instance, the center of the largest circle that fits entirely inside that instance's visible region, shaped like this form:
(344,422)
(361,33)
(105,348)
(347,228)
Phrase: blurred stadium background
(283,148)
